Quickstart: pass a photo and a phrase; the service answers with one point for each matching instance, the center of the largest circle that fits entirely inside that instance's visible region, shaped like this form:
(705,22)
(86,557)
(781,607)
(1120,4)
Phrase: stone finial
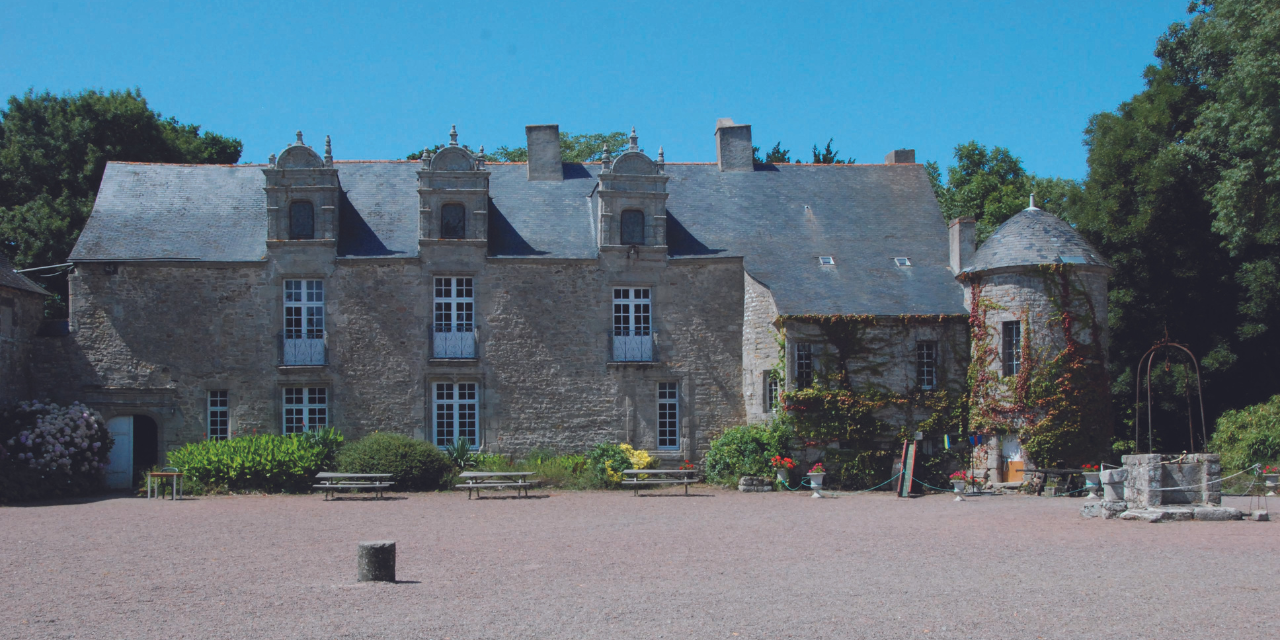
(328,152)
(662,162)
(453,135)
(635,146)
(607,160)
(299,138)
(272,160)
(426,156)
(480,157)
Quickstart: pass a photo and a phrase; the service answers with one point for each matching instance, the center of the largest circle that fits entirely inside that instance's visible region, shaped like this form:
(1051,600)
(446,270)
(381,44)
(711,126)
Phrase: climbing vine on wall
(836,410)
(1057,404)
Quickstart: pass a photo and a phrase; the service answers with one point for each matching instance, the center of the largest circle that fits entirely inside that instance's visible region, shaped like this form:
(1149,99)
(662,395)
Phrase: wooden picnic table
(666,476)
(331,481)
(477,480)
(1067,474)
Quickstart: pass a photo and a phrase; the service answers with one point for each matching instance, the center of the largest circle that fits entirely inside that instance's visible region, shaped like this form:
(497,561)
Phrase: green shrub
(1249,436)
(414,465)
(266,463)
(550,469)
(746,451)
(605,464)
(853,470)
(49,451)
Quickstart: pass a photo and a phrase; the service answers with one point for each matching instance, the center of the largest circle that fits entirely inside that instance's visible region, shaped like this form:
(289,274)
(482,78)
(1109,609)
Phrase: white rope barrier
(1201,485)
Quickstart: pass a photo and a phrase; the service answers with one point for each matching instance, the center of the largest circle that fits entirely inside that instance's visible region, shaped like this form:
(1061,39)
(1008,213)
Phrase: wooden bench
(477,480)
(685,477)
(332,482)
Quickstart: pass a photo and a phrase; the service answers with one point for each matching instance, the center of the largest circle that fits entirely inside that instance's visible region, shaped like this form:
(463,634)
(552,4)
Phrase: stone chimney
(901,156)
(733,146)
(962,234)
(544,152)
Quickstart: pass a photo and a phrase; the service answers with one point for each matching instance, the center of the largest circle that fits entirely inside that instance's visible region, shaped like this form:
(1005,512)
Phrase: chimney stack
(962,236)
(901,156)
(733,146)
(544,152)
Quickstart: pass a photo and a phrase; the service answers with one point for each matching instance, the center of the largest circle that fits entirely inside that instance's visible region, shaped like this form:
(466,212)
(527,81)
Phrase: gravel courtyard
(607,565)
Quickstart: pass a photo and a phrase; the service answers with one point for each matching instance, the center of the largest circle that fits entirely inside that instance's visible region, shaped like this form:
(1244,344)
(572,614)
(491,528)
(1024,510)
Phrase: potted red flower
(1091,483)
(1271,477)
(815,479)
(782,466)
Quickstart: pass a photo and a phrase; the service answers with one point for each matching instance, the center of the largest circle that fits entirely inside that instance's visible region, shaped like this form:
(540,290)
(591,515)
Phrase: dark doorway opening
(146,443)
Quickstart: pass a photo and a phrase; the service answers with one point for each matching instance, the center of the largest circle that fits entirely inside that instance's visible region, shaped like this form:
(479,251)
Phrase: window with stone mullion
(305,409)
(631,312)
(303,309)
(455,305)
(456,413)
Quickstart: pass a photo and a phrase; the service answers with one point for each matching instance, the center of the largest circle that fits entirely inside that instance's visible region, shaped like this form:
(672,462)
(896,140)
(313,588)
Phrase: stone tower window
(633,227)
(927,365)
(453,221)
(302,220)
(804,365)
(1011,351)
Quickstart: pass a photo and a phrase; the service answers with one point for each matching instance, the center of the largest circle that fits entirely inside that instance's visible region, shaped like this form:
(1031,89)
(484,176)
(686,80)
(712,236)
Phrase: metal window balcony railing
(303,348)
(453,341)
(633,346)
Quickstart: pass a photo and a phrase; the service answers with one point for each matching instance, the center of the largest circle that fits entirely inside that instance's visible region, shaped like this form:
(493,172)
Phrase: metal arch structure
(1146,360)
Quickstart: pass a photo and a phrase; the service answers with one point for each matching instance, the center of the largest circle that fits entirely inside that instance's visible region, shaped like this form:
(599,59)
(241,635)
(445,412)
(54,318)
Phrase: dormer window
(453,221)
(302,220)
(632,227)
(826,261)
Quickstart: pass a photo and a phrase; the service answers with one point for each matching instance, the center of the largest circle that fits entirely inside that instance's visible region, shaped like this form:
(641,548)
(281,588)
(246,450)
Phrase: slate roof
(9,278)
(1032,237)
(779,219)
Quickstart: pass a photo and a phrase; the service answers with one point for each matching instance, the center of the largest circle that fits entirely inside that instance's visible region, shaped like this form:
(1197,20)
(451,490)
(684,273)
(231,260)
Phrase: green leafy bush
(1249,436)
(414,465)
(50,451)
(550,469)
(605,464)
(746,450)
(266,463)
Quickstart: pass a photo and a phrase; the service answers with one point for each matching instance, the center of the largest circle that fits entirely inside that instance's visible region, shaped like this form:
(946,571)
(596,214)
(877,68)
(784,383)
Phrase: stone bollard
(1113,483)
(376,561)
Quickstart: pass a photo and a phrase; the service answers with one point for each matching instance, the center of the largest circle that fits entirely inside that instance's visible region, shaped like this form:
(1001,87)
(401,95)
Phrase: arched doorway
(136,447)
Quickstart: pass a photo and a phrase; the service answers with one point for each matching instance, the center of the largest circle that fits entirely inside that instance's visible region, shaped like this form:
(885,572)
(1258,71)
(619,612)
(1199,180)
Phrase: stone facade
(21,312)
(318,278)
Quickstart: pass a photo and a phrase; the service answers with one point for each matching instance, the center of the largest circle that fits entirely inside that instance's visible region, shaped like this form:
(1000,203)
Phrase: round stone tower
(1036,291)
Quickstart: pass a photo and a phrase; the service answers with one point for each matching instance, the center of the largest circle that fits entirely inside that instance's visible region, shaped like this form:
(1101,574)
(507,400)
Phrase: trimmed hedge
(414,465)
(267,463)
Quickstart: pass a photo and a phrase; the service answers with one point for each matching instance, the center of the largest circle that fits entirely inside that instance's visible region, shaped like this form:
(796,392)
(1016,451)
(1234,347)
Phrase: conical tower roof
(1034,237)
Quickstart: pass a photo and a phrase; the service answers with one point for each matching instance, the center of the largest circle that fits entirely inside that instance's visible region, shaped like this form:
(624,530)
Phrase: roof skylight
(902,262)
(826,260)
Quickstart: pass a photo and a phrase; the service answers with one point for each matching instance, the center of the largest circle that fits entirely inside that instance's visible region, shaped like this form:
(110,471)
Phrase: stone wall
(760,349)
(20,315)
(155,338)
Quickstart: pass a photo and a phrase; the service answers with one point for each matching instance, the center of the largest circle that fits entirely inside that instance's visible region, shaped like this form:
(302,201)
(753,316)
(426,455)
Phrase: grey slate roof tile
(778,218)
(1033,237)
(9,278)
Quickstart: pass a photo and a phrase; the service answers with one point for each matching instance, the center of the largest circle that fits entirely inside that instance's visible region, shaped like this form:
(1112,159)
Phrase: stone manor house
(516,305)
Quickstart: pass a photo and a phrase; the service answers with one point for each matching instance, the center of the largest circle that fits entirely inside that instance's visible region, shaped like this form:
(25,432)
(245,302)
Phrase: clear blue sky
(384,80)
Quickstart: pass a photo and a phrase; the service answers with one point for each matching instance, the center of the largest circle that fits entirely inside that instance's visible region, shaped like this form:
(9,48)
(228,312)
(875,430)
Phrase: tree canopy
(53,152)
(582,147)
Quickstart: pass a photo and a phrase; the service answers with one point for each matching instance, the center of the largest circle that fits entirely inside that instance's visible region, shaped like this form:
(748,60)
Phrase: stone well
(1162,487)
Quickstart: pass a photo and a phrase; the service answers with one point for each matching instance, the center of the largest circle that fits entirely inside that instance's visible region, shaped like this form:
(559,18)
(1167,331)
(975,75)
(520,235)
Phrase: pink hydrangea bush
(50,450)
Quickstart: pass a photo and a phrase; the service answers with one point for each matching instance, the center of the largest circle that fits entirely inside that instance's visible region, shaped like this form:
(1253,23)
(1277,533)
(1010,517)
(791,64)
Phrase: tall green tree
(582,147)
(1183,196)
(53,152)
(990,186)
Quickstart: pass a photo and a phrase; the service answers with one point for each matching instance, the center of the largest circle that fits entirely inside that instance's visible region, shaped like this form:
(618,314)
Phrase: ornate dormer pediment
(302,194)
(453,193)
(633,198)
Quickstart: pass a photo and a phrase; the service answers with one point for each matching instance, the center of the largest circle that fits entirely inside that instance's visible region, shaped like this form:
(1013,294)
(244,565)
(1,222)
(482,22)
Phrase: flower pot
(958,485)
(815,481)
(1091,483)
(1271,480)
(783,476)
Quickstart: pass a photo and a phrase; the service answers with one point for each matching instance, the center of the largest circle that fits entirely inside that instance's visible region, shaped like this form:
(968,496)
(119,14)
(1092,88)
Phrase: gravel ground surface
(606,565)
